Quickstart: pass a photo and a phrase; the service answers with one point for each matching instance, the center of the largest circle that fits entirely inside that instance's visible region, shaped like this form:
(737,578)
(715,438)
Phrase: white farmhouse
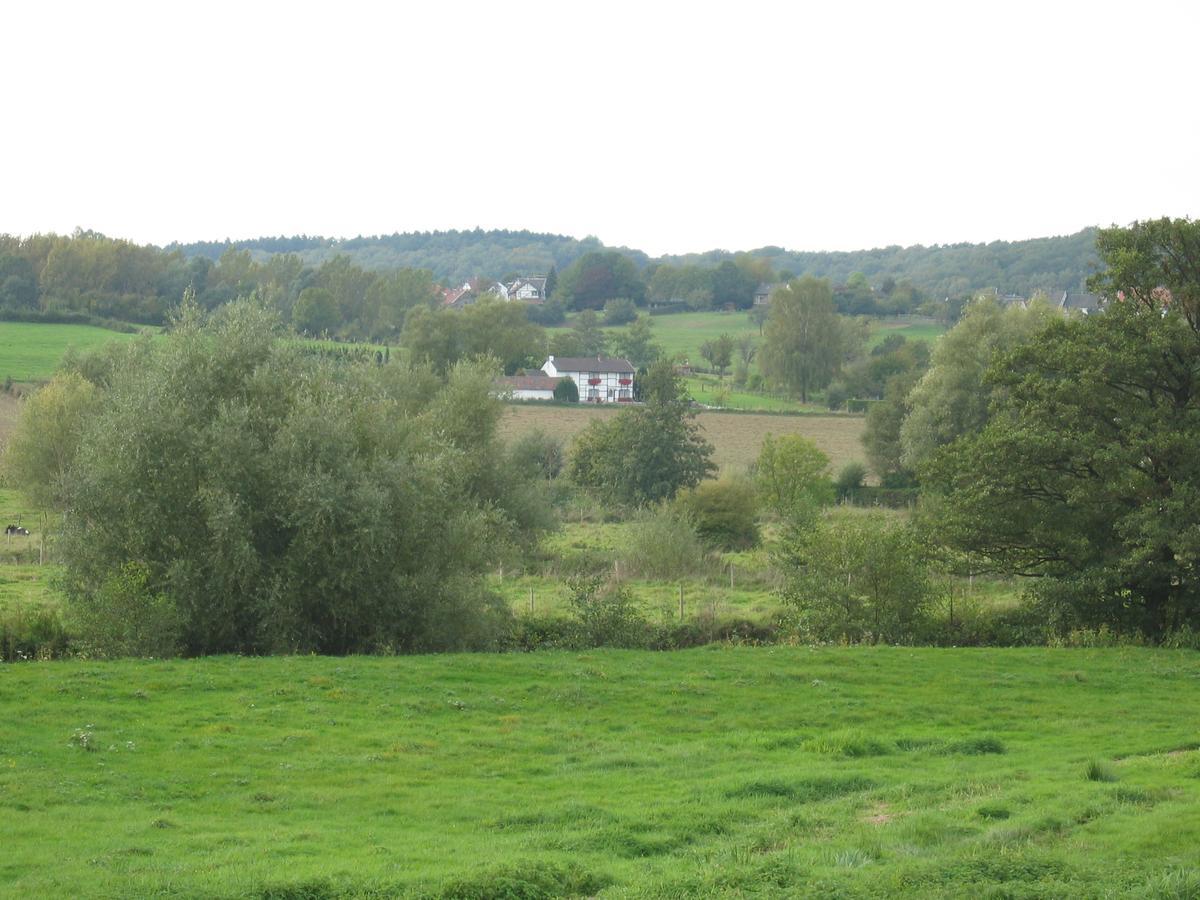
(528,387)
(600,380)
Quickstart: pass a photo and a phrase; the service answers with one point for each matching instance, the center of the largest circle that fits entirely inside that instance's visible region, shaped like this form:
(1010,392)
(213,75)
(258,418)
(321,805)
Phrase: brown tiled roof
(529,382)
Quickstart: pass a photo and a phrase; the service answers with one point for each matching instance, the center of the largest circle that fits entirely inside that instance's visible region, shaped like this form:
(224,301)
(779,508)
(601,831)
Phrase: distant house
(527,288)
(1079,302)
(458,297)
(601,379)
(762,295)
(530,288)
(529,387)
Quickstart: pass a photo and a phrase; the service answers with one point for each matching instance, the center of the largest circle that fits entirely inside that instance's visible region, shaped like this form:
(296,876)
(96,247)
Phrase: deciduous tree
(804,337)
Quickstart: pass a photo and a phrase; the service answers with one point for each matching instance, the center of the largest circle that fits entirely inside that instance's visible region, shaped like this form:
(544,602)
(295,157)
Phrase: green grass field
(915,329)
(31,351)
(720,772)
(681,334)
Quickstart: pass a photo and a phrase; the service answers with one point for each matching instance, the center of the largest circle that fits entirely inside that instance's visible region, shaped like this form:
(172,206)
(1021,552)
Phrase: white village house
(528,387)
(601,379)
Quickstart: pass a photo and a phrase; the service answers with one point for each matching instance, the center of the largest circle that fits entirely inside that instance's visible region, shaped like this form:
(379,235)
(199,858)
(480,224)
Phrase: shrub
(537,452)
(662,544)
(31,632)
(790,476)
(552,312)
(126,618)
(605,614)
(619,311)
(836,395)
(857,576)
(566,390)
(850,479)
(723,512)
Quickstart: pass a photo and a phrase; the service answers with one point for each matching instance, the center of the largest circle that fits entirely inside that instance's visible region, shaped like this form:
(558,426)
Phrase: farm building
(600,380)
(528,387)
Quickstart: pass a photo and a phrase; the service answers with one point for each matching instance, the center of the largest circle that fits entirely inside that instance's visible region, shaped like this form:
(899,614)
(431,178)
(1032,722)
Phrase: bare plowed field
(737,437)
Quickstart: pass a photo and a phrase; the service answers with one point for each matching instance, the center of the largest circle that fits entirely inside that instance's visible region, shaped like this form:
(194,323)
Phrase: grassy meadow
(681,334)
(737,437)
(785,771)
(31,351)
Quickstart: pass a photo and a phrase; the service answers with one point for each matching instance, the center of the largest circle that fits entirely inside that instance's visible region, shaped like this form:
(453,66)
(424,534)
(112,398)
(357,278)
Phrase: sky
(668,127)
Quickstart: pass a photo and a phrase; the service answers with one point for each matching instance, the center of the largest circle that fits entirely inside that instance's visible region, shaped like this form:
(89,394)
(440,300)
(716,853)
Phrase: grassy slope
(31,351)
(818,772)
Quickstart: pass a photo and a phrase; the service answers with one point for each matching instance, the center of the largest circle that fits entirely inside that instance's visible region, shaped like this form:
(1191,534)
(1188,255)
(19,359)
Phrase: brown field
(10,407)
(737,437)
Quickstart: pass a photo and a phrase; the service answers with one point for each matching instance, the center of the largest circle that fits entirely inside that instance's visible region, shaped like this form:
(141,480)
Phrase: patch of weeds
(310,889)
(808,790)
(1004,868)
(1099,770)
(784,742)
(978,746)
(84,739)
(525,881)
(625,844)
(1173,884)
(575,814)
(851,858)
(758,789)
(1009,837)
(908,745)
(614,763)
(1138,797)
(848,743)
(993,811)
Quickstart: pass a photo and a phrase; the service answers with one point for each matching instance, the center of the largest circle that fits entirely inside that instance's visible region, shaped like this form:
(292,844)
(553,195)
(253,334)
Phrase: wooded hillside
(941,270)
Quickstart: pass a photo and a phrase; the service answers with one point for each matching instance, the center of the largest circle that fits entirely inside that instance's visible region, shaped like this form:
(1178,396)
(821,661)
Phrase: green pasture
(710,390)
(681,334)
(912,328)
(31,351)
(719,772)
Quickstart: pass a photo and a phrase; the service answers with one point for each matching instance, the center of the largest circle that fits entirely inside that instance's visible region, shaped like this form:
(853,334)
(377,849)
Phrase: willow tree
(804,337)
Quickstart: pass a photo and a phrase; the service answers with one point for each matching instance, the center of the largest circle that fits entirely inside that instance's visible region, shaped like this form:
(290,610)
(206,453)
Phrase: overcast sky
(662,126)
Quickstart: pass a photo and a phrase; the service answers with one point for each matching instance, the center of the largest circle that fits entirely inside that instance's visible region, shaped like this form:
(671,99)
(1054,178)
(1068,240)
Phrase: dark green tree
(599,276)
(566,390)
(592,339)
(733,285)
(718,352)
(1086,474)
(636,343)
(644,454)
(315,312)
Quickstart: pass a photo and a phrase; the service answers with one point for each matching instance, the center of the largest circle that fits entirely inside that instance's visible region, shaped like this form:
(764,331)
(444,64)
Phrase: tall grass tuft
(1099,770)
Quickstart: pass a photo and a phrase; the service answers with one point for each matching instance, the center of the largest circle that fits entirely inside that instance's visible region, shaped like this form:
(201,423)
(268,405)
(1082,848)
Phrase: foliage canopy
(1086,472)
(284,502)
